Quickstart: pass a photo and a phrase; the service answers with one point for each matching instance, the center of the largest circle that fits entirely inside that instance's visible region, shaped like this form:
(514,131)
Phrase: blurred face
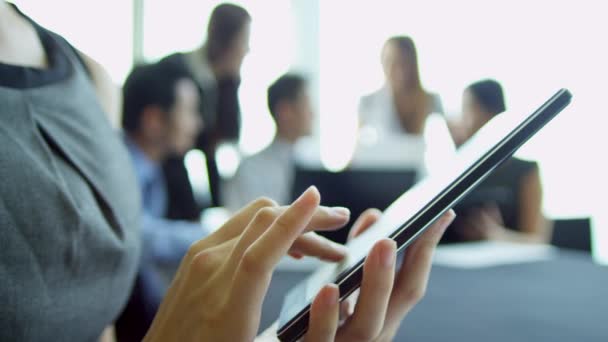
(239,49)
(304,114)
(397,69)
(473,116)
(185,119)
(295,118)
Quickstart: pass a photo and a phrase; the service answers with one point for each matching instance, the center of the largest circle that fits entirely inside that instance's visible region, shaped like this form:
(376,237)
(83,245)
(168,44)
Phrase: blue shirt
(164,241)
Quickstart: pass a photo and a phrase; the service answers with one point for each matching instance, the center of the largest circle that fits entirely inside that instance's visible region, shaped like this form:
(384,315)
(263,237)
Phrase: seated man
(160,118)
(270,172)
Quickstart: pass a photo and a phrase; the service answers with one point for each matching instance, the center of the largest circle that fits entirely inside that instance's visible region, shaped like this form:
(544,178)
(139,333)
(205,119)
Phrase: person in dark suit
(216,68)
(507,206)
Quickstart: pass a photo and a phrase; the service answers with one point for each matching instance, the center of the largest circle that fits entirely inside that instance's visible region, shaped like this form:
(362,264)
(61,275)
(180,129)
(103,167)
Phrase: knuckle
(418,293)
(265,216)
(193,250)
(251,263)
(263,202)
(202,261)
(413,295)
(283,223)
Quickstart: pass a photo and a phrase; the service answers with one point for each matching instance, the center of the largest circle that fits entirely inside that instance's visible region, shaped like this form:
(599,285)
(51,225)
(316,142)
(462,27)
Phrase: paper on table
(490,253)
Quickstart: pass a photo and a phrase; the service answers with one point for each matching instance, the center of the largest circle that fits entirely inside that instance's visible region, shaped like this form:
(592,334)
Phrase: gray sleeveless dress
(69,210)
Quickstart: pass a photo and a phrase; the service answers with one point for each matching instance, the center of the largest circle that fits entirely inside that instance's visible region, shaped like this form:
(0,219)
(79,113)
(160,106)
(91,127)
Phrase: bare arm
(108,93)
(532,227)
(531,223)
(531,220)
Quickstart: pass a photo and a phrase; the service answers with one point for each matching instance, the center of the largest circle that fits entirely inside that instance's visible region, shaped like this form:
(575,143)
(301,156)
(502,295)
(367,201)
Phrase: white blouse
(380,127)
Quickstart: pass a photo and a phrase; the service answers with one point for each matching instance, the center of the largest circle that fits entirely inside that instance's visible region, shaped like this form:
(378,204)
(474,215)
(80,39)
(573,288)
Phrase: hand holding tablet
(220,285)
(416,210)
(385,296)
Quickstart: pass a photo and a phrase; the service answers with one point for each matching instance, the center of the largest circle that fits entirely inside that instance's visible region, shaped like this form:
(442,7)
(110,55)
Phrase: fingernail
(387,256)
(310,190)
(340,212)
(448,218)
(331,295)
(297,256)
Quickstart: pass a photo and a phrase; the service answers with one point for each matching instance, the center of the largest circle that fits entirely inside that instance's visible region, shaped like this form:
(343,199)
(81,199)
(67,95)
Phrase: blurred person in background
(507,206)
(290,105)
(402,107)
(216,68)
(160,117)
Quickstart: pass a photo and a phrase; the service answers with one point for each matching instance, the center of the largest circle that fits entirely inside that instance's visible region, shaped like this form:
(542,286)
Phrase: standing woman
(403,112)
(402,105)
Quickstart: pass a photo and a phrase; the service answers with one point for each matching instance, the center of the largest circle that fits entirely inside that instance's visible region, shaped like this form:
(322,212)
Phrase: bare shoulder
(108,93)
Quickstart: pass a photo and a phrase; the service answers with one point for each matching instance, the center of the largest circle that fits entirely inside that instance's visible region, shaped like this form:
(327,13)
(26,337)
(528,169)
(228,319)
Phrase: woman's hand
(384,299)
(220,286)
(484,223)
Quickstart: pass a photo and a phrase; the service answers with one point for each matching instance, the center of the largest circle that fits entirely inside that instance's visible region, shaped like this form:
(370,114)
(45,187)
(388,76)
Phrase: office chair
(572,233)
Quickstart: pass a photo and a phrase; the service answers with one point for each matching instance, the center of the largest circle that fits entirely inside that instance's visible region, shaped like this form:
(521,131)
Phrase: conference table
(564,298)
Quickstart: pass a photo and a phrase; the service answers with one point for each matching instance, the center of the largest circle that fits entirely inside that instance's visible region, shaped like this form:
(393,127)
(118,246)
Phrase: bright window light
(228,159)
(195,163)
(532,47)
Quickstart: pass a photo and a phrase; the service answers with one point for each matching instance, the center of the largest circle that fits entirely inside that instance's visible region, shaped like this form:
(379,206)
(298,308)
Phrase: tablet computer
(414,211)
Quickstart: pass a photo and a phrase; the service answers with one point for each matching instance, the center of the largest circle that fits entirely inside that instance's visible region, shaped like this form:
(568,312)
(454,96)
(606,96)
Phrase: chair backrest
(572,233)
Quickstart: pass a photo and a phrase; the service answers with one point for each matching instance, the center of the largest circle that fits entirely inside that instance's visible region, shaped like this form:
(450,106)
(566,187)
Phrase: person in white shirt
(402,105)
(402,109)
(270,172)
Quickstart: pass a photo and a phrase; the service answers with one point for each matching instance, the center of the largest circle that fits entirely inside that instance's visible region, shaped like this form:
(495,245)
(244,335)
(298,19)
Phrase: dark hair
(489,95)
(227,21)
(407,48)
(286,88)
(147,85)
